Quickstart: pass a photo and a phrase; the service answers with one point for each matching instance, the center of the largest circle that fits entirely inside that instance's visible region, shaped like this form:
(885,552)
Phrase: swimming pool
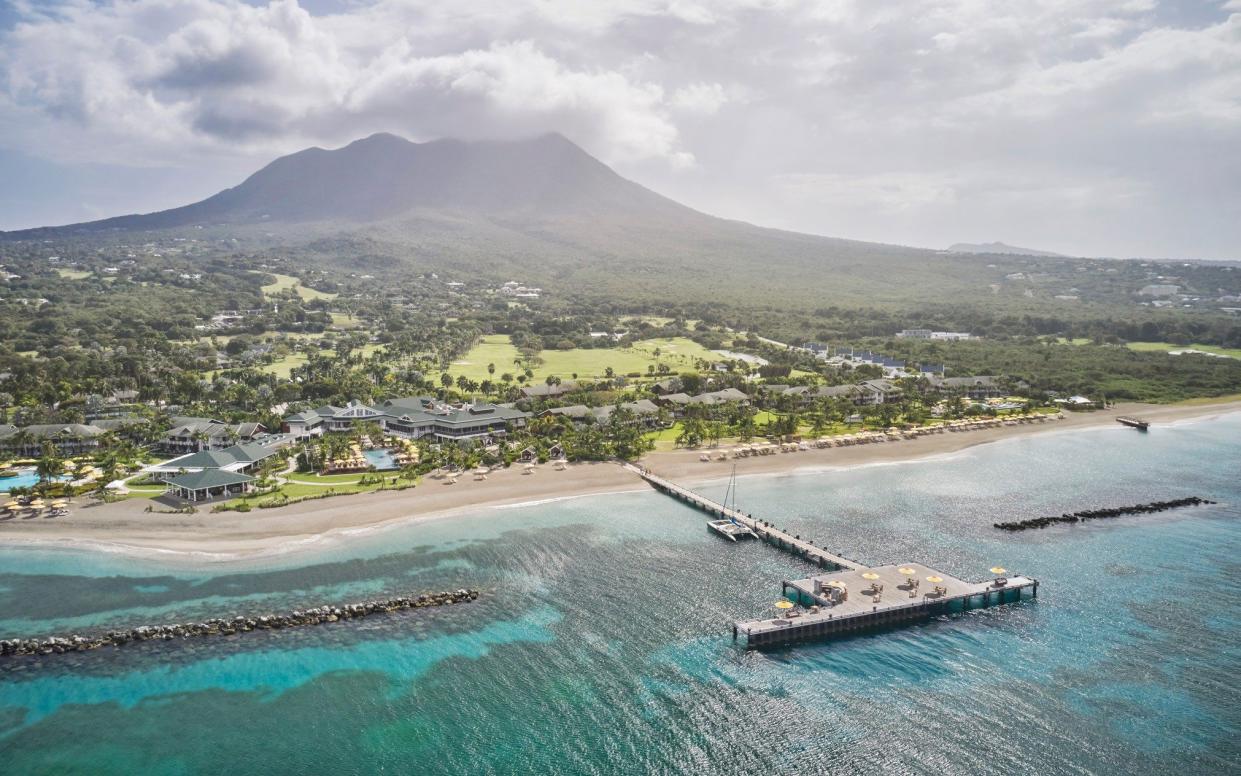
(24,479)
(381,459)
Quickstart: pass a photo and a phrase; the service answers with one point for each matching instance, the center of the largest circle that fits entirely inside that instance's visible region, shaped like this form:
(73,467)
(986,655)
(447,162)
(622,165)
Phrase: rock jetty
(224,627)
(1097,514)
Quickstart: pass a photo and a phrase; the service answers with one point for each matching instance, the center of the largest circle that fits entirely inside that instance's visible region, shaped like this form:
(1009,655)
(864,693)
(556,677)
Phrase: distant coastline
(210,538)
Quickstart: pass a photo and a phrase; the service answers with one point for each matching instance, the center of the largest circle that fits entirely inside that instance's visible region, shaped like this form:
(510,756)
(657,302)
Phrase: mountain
(540,209)
(384,176)
(1000,249)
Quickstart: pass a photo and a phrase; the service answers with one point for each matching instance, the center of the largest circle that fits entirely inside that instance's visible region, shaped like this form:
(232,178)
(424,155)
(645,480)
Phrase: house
(192,434)
(411,417)
(123,397)
(68,438)
(666,386)
(238,459)
(977,388)
(675,400)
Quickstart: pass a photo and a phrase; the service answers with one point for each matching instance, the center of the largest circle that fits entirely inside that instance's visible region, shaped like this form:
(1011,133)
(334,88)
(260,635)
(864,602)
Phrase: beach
(205,536)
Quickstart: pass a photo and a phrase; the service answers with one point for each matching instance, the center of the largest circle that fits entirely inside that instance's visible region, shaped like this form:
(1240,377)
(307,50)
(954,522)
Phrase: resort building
(644,412)
(238,459)
(193,434)
(412,418)
(977,388)
(69,438)
(875,392)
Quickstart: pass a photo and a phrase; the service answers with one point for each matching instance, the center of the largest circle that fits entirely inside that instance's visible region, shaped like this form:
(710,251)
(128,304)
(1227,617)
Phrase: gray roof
(543,389)
(53,431)
(218,459)
(986,381)
(837,390)
(209,478)
(719,397)
(416,409)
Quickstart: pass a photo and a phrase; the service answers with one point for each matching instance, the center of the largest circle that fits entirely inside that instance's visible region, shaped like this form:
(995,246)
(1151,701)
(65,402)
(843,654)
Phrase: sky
(1086,127)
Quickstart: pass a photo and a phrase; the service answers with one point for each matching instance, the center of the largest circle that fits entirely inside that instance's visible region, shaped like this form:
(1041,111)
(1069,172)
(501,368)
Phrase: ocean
(602,642)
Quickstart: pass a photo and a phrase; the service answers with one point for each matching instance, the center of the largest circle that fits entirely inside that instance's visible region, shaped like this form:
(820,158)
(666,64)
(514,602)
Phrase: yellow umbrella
(934,579)
(998,570)
(784,604)
(36,504)
(70,465)
(60,503)
(12,505)
(837,583)
(906,570)
(870,575)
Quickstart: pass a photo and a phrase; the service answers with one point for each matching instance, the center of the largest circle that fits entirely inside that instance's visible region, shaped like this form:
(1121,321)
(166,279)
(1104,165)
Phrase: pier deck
(860,611)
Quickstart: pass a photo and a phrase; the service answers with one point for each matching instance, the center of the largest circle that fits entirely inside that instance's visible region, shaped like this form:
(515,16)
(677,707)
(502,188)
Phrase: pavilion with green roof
(209,484)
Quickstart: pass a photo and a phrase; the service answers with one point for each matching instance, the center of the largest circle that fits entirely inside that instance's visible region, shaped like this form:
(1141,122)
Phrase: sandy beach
(229,536)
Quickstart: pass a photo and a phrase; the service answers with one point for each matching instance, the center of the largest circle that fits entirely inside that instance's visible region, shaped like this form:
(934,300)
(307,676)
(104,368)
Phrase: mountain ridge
(383,176)
(1001,249)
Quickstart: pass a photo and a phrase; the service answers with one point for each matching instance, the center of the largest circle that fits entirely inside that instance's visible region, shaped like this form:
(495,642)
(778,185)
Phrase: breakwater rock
(1098,514)
(224,627)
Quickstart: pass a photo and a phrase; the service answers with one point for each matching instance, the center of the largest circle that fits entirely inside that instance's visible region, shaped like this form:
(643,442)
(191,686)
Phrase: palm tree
(22,440)
(50,465)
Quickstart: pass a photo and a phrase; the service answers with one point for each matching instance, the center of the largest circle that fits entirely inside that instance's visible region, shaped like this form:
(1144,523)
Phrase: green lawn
(284,282)
(323,479)
(285,366)
(1167,346)
(73,274)
(679,353)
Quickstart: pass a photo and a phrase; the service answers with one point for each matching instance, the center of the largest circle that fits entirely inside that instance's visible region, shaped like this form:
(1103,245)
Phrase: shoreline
(207,538)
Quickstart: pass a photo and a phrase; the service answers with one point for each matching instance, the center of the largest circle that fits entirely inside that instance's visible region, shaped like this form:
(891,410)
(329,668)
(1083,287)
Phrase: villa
(193,434)
(411,418)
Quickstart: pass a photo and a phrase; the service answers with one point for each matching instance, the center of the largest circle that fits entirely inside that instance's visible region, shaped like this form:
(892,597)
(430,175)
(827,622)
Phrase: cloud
(913,118)
(701,98)
(132,78)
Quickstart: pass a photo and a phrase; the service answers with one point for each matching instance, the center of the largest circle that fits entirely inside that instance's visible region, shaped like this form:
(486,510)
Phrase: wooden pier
(803,548)
(850,597)
(1132,422)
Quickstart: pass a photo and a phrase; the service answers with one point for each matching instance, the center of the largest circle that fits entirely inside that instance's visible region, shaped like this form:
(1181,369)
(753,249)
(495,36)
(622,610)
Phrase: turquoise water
(601,644)
(24,479)
(381,459)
